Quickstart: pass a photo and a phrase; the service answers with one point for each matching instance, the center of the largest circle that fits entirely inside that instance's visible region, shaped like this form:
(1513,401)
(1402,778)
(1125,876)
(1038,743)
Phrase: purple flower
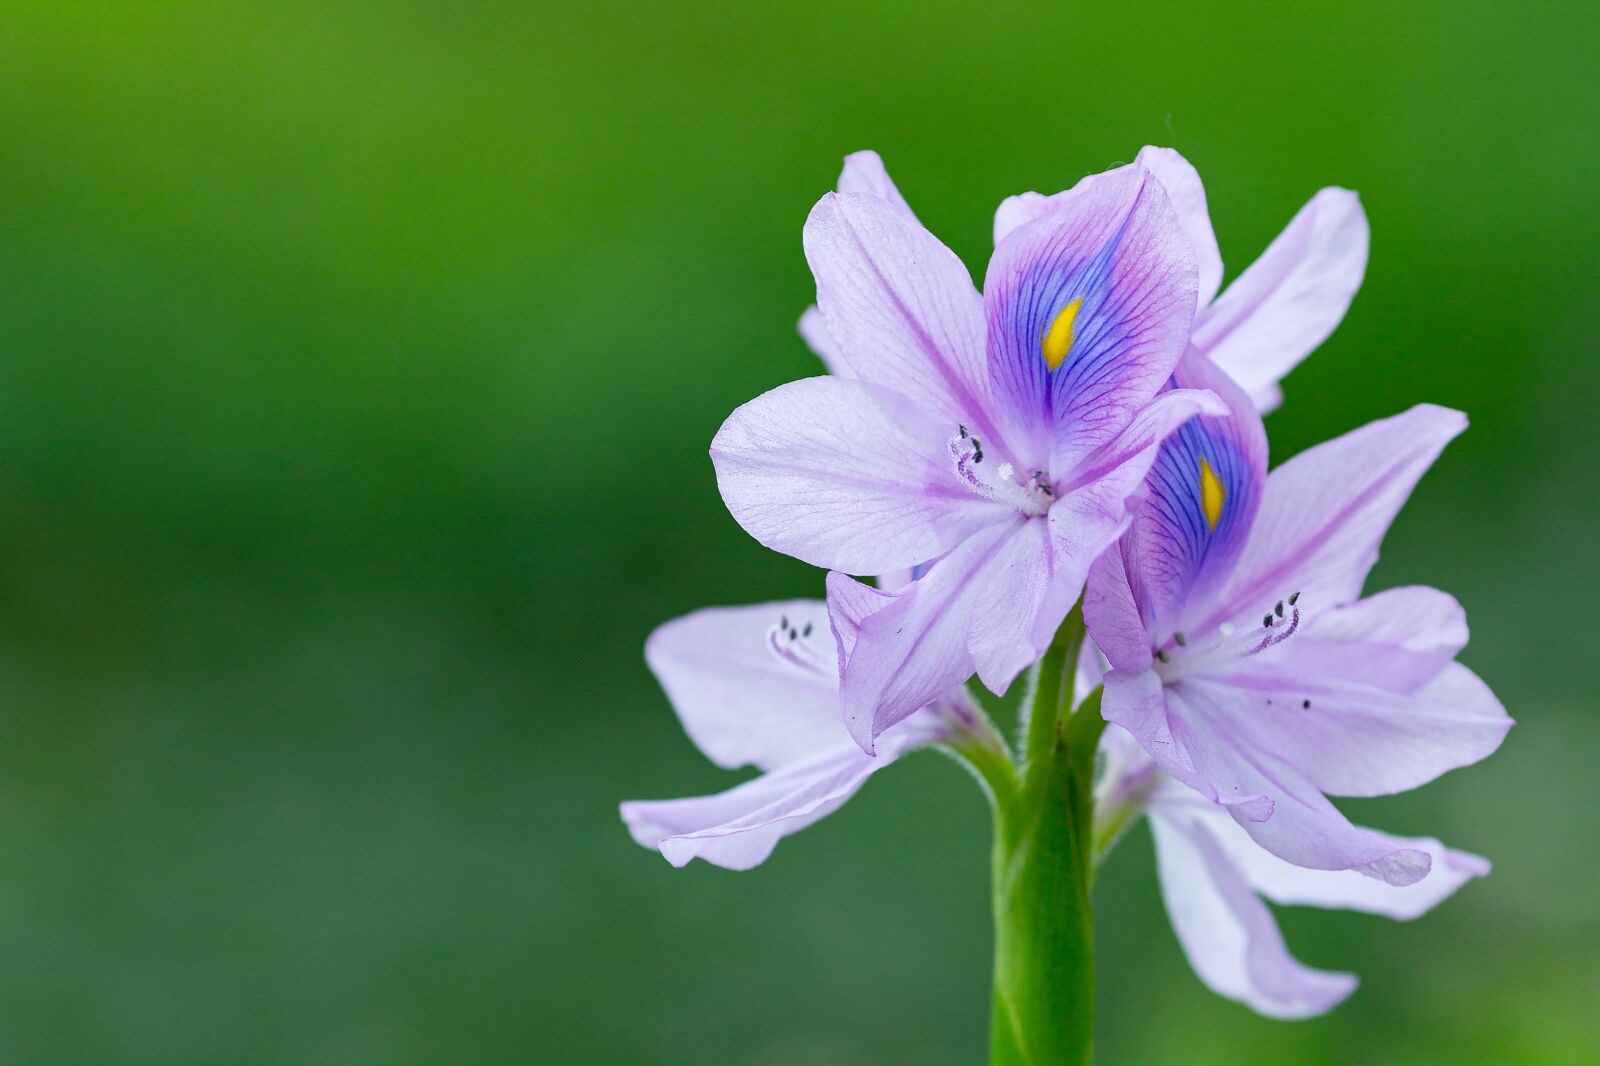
(759,686)
(1282,306)
(989,441)
(1213,877)
(1245,660)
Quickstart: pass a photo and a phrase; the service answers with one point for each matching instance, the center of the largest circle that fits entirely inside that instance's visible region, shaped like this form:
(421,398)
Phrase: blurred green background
(357,367)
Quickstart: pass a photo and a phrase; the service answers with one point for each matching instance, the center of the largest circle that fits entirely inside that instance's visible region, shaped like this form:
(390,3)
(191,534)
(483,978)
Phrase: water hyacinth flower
(1214,880)
(1244,658)
(1090,423)
(990,441)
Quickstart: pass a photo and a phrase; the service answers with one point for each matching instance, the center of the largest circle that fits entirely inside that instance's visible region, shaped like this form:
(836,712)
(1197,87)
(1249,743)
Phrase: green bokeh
(357,366)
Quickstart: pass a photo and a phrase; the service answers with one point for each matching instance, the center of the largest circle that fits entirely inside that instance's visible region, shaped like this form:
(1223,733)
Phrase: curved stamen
(1032,497)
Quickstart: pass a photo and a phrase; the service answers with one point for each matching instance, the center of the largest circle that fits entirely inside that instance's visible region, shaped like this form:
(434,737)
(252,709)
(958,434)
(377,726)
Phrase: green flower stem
(1043,868)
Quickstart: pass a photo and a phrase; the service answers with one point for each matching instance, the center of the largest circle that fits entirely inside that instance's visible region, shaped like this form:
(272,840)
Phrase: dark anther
(1305,705)
(977,450)
(1292,598)
(1267,620)
(964,433)
(1162,655)
(806,632)
(783,621)
(1182,643)
(794,634)
(1278,610)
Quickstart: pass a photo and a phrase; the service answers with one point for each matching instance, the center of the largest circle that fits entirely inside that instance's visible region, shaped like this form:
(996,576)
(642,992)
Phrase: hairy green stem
(1043,868)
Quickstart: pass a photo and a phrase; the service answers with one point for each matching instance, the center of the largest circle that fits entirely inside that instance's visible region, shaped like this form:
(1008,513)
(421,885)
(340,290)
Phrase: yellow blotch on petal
(1212,494)
(1058,338)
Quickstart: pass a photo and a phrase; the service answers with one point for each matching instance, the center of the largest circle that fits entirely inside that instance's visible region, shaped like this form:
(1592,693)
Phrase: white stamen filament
(1031,497)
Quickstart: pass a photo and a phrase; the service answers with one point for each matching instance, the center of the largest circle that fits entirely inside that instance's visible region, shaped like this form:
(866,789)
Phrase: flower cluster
(1088,431)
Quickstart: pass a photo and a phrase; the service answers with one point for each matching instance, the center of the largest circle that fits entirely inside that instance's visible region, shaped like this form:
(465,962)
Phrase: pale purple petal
(1348,734)
(1112,616)
(738,829)
(1140,704)
(1324,513)
(1287,884)
(815,333)
(1110,262)
(1182,182)
(1304,828)
(1019,210)
(865,173)
(913,648)
(845,475)
(742,700)
(1289,300)
(1020,600)
(1413,619)
(899,307)
(1229,936)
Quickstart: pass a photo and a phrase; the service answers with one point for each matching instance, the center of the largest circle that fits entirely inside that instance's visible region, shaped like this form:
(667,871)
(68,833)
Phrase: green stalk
(1043,868)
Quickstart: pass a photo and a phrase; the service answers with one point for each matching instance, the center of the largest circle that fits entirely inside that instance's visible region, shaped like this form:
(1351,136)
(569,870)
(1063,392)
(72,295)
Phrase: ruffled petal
(845,475)
(742,700)
(899,307)
(1324,513)
(1287,884)
(1304,828)
(1290,299)
(1188,195)
(1088,310)
(1230,937)
(738,829)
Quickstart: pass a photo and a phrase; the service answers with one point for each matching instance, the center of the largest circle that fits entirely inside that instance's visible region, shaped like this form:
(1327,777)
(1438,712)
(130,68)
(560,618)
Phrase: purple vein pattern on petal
(1199,501)
(1088,310)
(899,306)
(1289,300)
(845,475)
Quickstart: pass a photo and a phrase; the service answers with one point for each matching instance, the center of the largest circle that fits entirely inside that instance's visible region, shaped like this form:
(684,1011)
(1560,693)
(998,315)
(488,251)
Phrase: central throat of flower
(1181,657)
(997,480)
